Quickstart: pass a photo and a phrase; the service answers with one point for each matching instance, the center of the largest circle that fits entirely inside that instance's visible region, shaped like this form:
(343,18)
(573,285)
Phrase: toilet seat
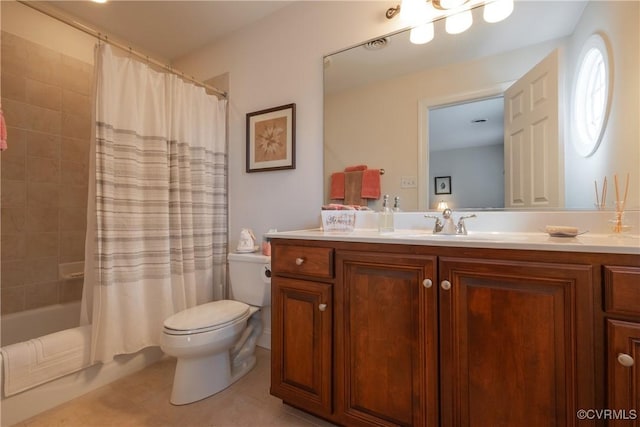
(206,317)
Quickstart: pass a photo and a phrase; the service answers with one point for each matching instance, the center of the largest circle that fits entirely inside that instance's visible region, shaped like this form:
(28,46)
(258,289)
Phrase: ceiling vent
(377,44)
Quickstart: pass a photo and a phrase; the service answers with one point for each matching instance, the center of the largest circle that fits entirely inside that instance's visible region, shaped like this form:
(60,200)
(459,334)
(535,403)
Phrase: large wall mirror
(440,109)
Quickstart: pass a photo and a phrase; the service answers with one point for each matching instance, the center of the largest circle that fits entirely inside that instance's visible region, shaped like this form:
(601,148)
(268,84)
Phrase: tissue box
(338,220)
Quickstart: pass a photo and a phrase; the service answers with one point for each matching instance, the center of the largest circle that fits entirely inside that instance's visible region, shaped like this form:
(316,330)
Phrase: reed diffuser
(618,222)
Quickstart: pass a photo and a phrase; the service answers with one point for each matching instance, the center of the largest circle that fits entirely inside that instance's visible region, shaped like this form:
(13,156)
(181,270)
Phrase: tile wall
(46,99)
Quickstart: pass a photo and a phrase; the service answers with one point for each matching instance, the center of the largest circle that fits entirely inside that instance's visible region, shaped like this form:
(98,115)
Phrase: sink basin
(471,237)
(453,237)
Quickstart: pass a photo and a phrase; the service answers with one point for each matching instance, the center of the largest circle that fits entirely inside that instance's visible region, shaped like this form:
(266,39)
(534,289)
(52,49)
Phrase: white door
(533,146)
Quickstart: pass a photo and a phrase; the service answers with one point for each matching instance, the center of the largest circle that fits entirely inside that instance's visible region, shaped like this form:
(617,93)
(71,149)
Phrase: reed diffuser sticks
(601,203)
(620,203)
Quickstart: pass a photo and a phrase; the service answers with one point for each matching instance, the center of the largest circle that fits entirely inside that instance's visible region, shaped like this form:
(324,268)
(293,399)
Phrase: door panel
(509,343)
(624,373)
(301,349)
(387,329)
(533,164)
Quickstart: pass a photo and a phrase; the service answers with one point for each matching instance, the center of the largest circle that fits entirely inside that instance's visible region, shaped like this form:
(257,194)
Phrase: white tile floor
(142,399)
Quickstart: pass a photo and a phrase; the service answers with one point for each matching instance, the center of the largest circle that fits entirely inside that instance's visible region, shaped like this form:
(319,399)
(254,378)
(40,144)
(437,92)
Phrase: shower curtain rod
(105,38)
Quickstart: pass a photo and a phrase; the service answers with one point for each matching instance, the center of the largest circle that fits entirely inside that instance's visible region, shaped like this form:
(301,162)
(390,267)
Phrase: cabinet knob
(299,261)
(427,283)
(445,284)
(322,307)
(625,360)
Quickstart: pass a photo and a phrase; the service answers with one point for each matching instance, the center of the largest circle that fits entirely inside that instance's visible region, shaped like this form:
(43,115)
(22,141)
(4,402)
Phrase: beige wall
(38,28)
(277,61)
(46,98)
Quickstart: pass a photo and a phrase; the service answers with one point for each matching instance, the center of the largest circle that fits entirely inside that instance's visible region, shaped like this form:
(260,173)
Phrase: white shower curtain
(160,224)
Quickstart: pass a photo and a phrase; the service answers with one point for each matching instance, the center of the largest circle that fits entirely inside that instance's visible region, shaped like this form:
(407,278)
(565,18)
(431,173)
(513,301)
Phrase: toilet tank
(250,278)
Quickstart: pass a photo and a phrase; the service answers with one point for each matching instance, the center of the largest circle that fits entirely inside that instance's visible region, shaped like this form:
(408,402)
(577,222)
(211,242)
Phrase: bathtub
(24,325)
(42,322)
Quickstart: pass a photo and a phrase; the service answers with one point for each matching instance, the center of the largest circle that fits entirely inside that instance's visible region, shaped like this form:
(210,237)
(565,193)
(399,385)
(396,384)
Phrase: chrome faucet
(448,227)
(461,228)
(437,227)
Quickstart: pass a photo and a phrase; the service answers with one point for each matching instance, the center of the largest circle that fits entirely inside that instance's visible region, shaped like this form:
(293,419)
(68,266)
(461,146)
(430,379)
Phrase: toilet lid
(209,316)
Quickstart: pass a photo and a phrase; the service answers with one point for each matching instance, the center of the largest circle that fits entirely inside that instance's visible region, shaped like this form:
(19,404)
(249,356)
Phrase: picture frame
(271,139)
(443,184)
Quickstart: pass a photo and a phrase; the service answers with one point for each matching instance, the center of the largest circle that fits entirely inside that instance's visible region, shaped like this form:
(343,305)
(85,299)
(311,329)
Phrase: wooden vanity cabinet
(302,339)
(622,309)
(396,335)
(386,339)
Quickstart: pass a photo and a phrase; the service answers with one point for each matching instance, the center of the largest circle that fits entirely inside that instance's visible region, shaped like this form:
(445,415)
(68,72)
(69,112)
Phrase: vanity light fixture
(497,11)
(448,4)
(459,22)
(442,205)
(420,15)
(422,33)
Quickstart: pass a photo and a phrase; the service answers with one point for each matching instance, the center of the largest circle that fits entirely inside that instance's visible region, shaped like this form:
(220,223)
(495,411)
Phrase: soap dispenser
(396,204)
(385,217)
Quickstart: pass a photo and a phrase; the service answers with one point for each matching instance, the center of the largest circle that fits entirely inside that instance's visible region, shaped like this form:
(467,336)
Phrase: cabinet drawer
(622,290)
(303,260)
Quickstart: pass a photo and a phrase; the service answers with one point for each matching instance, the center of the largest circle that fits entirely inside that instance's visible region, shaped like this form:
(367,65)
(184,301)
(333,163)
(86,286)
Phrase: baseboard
(264,340)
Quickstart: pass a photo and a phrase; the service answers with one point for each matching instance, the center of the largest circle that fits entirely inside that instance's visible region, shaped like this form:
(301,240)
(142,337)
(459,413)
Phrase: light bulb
(422,34)
(497,10)
(450,4)
(458,23)
(414,12)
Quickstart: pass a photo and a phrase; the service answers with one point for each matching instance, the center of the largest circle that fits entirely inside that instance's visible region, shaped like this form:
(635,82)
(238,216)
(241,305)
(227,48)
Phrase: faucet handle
(461,228)
(467,216)
(437,227)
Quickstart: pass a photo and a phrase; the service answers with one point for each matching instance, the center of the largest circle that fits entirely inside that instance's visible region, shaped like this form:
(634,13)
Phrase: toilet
(215,342)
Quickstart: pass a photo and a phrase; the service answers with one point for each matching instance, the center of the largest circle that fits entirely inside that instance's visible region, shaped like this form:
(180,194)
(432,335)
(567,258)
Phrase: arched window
(590,96)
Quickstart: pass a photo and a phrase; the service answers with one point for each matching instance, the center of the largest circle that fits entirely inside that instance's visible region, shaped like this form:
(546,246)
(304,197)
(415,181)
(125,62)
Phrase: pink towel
(371,184)
(337,186)
(3,132)
(355,168)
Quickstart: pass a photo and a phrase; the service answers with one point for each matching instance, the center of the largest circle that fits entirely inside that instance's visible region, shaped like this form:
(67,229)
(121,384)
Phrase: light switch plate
(408,182)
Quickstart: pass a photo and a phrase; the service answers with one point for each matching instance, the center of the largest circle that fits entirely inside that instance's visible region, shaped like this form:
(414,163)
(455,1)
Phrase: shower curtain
(159,232)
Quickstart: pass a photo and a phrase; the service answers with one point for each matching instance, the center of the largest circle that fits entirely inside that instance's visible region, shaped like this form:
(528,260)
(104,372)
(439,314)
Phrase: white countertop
(588,242)
(499,230)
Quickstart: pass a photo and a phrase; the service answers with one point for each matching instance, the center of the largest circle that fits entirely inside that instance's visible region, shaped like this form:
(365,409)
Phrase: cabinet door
(516,343)
(301,343)
(386,337)
(623,389)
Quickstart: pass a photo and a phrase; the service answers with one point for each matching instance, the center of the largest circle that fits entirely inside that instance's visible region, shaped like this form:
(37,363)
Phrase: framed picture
(271,139)
(443,185)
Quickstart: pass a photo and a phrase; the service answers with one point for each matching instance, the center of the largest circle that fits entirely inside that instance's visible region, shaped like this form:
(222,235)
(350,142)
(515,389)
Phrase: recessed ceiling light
(99,1)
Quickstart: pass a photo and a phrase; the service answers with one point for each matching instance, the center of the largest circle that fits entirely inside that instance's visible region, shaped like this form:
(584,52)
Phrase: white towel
(34,362)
